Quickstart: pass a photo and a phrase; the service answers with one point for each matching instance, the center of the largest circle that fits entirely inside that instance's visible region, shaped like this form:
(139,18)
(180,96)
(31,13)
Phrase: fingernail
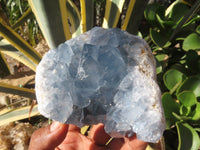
(54,126)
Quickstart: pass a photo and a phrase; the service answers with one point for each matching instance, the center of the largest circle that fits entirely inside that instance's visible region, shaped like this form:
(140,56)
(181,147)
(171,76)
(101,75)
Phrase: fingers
(49,137)
(98,134)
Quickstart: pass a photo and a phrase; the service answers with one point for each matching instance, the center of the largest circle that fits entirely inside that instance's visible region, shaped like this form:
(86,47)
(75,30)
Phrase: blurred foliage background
(171,28)
(12,10)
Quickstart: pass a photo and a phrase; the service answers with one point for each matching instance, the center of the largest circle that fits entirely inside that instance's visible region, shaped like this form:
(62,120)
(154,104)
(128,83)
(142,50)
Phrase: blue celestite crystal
(103,75)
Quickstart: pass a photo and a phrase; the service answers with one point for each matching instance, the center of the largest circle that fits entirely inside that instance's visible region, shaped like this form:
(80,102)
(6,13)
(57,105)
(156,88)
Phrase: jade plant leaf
(160,62)
(172,79)
(193,61)
(190,84)
(152,12)
(196,113)
(187,98)
(178,12)
(188,137)
(191,42)
(169,106)
(198,29)
(185,111)
(159,38)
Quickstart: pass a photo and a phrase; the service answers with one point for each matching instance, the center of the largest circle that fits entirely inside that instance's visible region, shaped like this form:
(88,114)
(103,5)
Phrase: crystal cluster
(103,75)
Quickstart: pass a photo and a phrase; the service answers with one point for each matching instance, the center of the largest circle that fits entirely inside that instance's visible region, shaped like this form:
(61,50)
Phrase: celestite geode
(103,75)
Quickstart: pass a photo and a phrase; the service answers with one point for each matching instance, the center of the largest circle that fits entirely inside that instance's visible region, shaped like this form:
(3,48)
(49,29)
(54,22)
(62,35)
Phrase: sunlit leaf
(191,42)
(173,78)
(190,84)
(187,98)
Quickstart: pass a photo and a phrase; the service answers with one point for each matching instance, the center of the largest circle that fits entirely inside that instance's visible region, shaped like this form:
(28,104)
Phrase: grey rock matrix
(103,75)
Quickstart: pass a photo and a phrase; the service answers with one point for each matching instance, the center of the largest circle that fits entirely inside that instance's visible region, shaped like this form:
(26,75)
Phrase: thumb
(48,138)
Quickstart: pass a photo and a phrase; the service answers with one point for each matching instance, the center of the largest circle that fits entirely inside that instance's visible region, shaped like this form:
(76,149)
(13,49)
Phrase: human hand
(60,136)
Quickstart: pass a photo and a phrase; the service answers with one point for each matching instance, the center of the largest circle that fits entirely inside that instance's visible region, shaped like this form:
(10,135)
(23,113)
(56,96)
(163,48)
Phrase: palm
(96,140)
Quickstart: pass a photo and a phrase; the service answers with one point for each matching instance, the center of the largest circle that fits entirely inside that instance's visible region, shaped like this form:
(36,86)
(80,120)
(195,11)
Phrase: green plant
(174,38)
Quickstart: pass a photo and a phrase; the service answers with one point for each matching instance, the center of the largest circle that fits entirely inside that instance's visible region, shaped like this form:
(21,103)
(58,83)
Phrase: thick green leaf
(185,111)
(134,15)
(159,38)
(193,61)
(187,98)
(179,67)
(161,57)
(186,18)
(198,29)
(188,137)
(169,106)
(191,42)
(169,9)
(178,11)
(152,11)
(113,10)
(172,79)
(160,62)
(191,84)
(48,15)
(165,25)
(158,67)
(196,113)
(6,88)
(10,115)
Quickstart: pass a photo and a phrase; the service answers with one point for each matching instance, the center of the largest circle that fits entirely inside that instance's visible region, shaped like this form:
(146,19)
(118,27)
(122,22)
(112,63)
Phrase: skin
(60,136)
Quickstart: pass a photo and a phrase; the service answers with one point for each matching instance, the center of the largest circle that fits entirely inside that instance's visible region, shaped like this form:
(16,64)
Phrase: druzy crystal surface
(103,75)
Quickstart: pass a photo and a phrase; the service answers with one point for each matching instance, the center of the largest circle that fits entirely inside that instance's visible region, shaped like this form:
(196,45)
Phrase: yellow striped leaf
(18,42)
(4,68)
(134,15)
(74,18)
(64,14)
(112,13)
(7,88)
(87,14)
(11,51)
(48,15)
(10,115)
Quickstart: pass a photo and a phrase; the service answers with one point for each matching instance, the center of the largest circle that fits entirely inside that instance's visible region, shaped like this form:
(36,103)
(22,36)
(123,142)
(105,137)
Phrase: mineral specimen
(103,75)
